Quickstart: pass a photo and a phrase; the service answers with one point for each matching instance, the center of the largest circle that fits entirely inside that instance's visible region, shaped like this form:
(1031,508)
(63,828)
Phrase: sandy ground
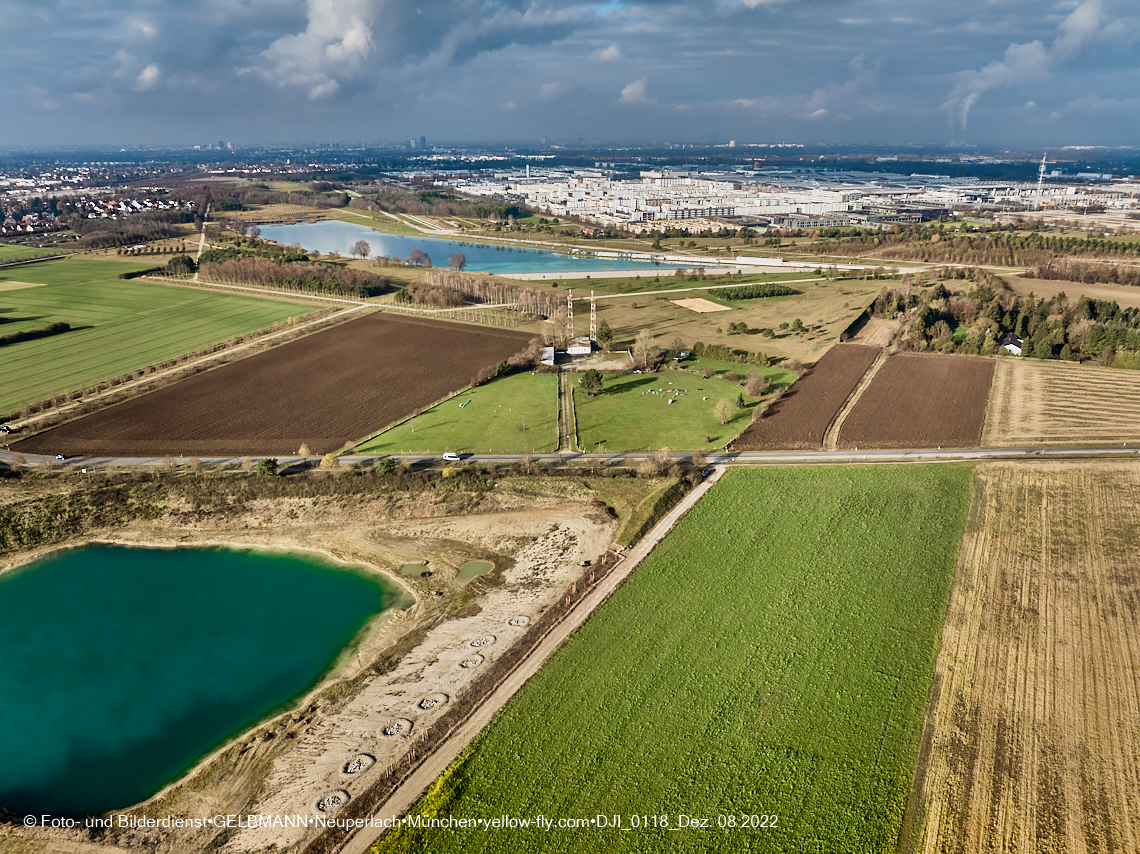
(1061,403)
(1122,295)
(876,332)
(358,721)
(699,305)
(1032,741)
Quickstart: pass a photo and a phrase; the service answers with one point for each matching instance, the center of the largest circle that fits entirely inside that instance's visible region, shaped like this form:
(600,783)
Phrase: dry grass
(1060,403)
(1032,741)
(1123,295)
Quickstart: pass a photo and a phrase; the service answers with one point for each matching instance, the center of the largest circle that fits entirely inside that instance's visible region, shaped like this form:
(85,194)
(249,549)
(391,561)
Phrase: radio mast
(593,318)
(1040,181)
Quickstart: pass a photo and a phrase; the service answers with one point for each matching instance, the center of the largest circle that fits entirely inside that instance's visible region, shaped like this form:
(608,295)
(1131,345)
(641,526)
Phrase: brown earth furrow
(1035,729)
(799,420)
(919,400)
(323,390)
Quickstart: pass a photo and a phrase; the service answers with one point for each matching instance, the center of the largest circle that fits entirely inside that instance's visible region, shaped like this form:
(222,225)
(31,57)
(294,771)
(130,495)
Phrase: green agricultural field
(772,657)
(10,252)
(118,325)
(516,414)
(633,411)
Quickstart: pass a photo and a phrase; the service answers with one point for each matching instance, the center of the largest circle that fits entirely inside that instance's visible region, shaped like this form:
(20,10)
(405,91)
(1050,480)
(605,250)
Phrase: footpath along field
(1033,740)
(517,414)
(117,324)
(772,657)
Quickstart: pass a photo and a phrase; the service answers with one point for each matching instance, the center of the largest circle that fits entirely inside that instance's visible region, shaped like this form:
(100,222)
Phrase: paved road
(419,461)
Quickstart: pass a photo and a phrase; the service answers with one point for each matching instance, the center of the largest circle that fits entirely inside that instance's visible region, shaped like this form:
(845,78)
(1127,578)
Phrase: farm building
(580,346)
(547,356)
(1012,344)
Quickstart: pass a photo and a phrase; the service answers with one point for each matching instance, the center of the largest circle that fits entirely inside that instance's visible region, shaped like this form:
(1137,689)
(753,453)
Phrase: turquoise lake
(333,235)
(121,667)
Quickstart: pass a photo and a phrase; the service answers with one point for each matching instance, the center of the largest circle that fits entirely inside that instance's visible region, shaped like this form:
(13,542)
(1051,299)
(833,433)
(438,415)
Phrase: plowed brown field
(1061,403)
(1032,740)
(799,420)
(920,400)
(328,388)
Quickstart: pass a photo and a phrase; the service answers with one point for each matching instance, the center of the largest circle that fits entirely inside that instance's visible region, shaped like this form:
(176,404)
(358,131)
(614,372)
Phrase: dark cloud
(809,70)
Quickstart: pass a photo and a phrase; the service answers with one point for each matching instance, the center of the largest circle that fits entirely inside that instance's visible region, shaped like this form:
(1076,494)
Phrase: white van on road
(451,457)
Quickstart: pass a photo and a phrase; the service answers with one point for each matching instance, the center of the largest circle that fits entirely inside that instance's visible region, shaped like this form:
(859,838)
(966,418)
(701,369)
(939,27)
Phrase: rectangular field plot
(118,325)
(669,409)
(323,390)
(517,414)
(773,656)
(918,400)
(799,420)
(1061,403)
(1033,738)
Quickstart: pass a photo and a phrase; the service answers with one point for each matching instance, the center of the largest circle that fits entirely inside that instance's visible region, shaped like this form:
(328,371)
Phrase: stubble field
(324,390)
(1061,403)
(920,400)
(799,420)
(1033,739)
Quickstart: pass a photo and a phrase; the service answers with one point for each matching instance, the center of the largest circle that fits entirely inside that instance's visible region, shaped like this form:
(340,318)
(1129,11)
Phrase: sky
(977,72)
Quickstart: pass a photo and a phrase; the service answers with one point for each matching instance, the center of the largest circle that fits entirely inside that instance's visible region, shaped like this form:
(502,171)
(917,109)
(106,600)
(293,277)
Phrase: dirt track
(323,390)
(1033,737)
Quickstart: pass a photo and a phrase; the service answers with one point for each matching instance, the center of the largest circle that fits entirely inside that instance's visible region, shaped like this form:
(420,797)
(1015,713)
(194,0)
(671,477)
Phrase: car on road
(451,457)
(5,429)
(60,457)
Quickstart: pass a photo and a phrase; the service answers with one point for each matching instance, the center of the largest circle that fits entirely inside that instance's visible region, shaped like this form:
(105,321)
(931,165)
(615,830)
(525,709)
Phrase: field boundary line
(437,761)
(831,434)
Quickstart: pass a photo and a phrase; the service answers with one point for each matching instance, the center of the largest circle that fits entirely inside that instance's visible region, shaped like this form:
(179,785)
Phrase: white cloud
(510,105)
(1032,61)
(147,79)
(336,42)
(608,54)
(634,93)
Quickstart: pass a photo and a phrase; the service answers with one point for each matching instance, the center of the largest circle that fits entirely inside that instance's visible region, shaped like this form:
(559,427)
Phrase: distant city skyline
(815,71)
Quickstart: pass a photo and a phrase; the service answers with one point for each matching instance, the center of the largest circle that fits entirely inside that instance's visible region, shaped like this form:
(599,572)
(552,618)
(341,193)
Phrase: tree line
(977,320)
(930,244)
(137,228)
(497,292)
(302,276)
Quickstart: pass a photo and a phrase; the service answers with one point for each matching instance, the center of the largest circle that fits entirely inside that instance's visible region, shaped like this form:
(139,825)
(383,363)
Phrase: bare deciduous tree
(645,352)
(361,249)
(724,410)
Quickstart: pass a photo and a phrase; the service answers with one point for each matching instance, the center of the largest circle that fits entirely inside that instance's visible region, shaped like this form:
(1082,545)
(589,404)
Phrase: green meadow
(670,409)
(516,414)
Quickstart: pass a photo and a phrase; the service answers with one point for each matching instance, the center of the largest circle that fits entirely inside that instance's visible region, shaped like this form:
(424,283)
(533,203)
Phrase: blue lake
(122,667)
(328,236)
